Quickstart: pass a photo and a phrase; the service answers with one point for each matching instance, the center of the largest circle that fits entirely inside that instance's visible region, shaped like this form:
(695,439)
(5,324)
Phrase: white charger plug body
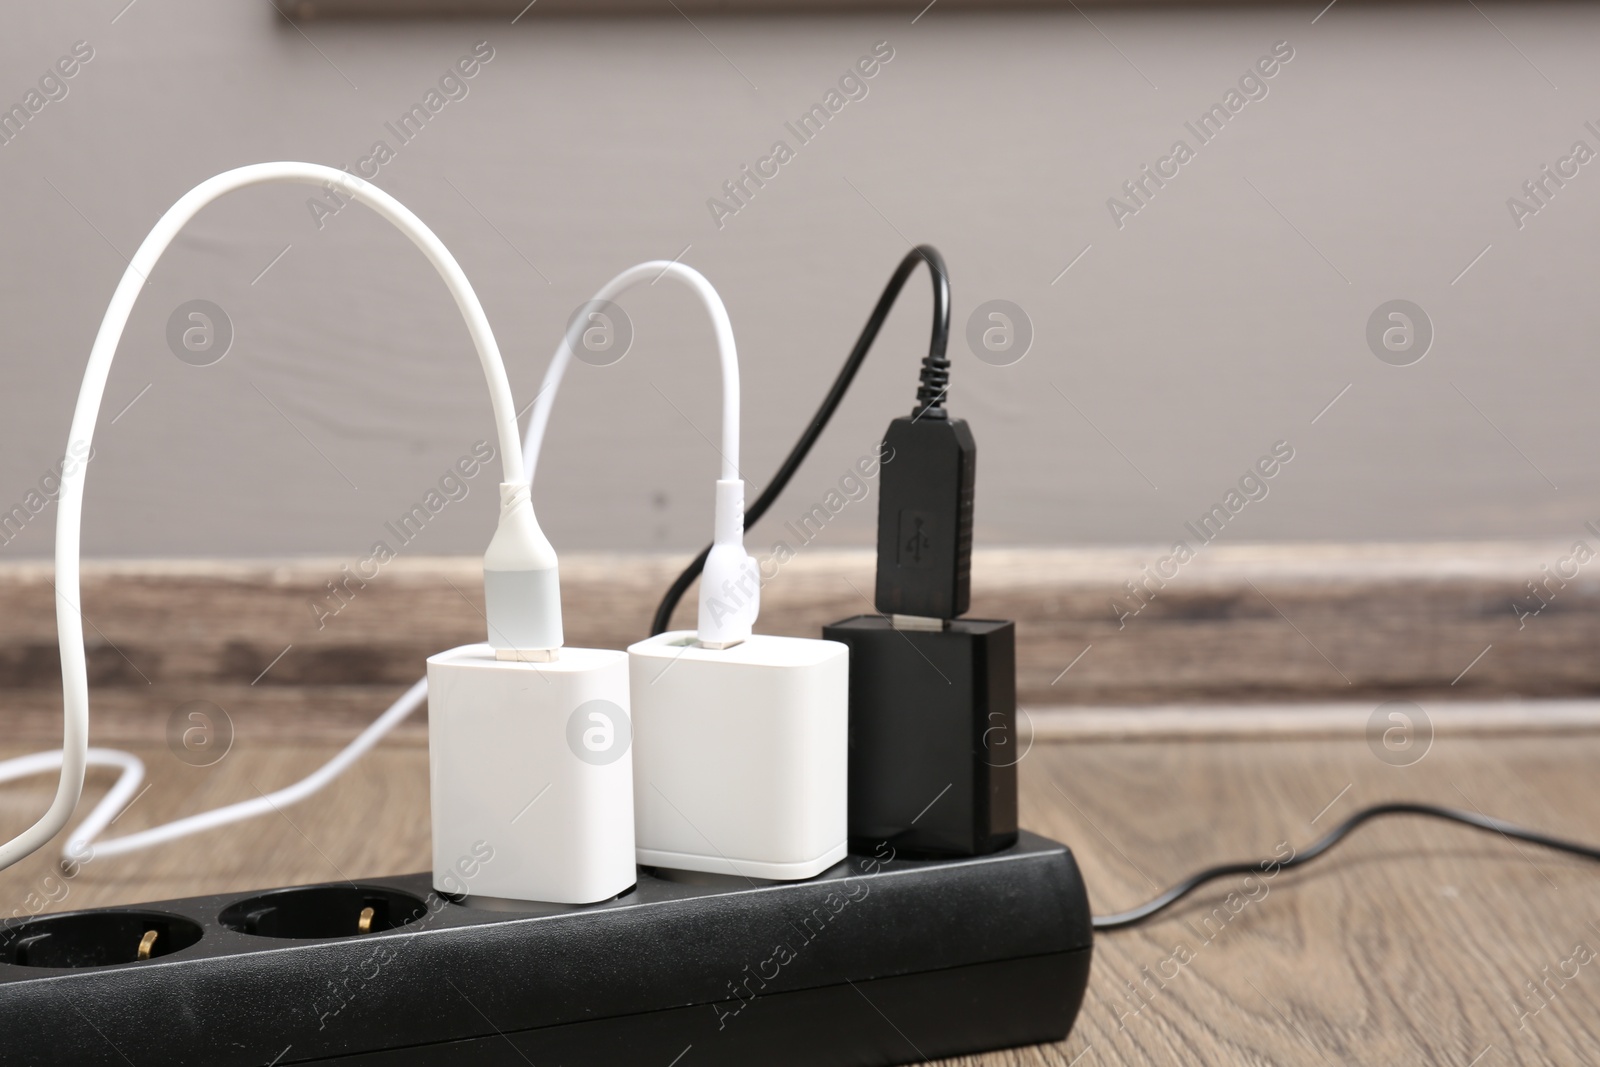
(741,755)
(533,761)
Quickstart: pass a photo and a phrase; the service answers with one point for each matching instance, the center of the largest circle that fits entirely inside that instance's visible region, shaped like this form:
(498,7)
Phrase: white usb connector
(521,585)
(730,586)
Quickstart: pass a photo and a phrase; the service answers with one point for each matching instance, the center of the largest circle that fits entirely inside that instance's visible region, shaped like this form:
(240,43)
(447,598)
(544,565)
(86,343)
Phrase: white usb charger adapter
(740,740)
(533,760)
(740,754)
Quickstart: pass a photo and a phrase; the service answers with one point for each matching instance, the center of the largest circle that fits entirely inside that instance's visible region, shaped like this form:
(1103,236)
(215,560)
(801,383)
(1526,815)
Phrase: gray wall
(1219,319)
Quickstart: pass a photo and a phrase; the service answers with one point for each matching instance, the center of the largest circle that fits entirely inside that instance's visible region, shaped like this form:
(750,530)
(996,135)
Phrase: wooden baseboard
(282,653)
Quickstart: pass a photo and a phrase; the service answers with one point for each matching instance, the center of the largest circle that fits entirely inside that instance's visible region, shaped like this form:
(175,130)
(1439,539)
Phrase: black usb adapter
(925,517)
(933,696)
(933,752)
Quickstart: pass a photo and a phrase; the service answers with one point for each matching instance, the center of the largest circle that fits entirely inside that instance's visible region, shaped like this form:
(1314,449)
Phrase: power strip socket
(879,960)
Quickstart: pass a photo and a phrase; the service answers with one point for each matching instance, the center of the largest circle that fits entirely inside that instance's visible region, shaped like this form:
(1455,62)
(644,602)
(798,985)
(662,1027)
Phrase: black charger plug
(933,697)
(933,764)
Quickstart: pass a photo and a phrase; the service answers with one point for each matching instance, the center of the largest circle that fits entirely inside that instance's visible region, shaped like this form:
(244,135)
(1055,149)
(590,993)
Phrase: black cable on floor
(930,398)
(1133,917)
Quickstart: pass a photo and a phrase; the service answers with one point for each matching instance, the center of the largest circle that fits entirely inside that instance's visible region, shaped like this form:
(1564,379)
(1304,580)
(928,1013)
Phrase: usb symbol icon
(916,541)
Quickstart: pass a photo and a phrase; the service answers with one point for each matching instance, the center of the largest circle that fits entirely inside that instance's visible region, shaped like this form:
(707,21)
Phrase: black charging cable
(1124,919)
(932,387)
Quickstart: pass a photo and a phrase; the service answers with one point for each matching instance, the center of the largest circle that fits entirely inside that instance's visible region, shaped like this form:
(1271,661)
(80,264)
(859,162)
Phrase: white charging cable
(516,512)
(730,591)
(118,797)
(727,356)
(266,804)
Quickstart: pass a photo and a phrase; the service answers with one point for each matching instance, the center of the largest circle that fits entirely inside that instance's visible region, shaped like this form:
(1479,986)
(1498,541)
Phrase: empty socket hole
(96,938)
(323,911)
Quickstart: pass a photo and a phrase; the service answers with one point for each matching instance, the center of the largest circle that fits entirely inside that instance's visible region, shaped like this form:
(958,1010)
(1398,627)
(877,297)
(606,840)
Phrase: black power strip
(880,960)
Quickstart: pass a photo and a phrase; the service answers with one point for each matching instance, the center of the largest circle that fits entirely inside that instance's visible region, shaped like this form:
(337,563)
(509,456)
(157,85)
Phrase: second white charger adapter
(534,761)
(741,754)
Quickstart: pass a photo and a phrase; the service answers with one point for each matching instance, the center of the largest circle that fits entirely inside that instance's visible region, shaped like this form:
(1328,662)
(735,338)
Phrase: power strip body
(879,960)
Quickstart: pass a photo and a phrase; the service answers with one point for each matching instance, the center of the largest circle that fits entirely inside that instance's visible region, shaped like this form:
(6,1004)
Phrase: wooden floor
(1412,943)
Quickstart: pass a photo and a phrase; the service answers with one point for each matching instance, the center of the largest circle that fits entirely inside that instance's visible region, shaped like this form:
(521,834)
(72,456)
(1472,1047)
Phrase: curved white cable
(119,796)
(69,624)
(727,355)
(84,836)
(730,585)
(267,803)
